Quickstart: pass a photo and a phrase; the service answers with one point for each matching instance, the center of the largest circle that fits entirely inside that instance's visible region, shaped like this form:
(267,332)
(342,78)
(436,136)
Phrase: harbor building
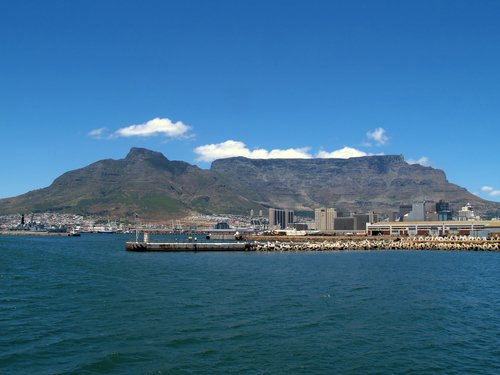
(327,220)
(360,220)
(324,218)
(403,210)
(417,212)
(466,213)
(344,223)
(443,211)
(221,225)
(280,218)
(393,216)
(299,226)
(477,228)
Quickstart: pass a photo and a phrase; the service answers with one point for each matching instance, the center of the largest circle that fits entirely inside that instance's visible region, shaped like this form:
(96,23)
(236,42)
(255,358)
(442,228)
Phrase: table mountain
(359,184)
(146,182)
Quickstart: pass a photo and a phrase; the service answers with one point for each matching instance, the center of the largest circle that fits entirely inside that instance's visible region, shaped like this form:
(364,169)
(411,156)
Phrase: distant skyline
(83,81)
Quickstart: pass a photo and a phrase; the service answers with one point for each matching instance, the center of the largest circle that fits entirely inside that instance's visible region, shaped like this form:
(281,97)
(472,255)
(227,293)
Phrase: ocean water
(83,305)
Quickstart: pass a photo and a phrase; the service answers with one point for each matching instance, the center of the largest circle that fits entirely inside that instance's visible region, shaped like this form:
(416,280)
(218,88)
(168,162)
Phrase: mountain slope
(144,182)
(147,183)
(356,184)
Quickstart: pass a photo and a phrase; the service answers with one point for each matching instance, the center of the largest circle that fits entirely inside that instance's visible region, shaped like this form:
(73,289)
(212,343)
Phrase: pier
(319,243)
(275,245)
(189,246)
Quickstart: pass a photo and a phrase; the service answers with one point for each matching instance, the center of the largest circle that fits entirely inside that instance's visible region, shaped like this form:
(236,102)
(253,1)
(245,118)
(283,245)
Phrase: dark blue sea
(83,305)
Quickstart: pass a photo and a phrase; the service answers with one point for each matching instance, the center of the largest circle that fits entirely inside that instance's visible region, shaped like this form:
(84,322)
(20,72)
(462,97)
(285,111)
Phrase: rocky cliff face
(146,182)
(356,184)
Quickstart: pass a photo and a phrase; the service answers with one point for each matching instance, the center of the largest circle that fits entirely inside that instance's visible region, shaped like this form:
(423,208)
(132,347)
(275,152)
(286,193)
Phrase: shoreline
(329,243)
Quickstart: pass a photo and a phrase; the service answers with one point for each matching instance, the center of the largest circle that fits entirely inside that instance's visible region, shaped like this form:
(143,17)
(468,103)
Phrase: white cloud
(343,153)
(424,160)
(379,136)
(491,191)
(156,126)
(98,133)
(289,153)
(232,148)
(221,150)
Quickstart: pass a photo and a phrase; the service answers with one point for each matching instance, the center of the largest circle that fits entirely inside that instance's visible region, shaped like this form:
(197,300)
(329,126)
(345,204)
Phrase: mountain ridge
(148,183)
(366,183)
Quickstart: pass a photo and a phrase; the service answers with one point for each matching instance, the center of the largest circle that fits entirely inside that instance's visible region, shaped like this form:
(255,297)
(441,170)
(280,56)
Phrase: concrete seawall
(189,246)
(325,245)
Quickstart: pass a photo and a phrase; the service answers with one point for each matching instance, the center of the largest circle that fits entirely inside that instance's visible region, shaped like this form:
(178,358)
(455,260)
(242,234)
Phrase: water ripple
(89,307)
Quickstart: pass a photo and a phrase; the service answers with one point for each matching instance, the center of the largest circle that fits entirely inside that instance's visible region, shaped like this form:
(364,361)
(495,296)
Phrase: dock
(188,246)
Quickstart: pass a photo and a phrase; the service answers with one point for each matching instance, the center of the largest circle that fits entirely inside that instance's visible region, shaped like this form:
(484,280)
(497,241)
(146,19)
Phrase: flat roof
(486,223)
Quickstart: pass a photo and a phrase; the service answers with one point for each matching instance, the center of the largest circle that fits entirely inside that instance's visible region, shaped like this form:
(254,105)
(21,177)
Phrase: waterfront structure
(360,220)
(187,246)
(417,212)
(299,226)
(280,218)
(221,225)
(480,228)
(393,216)
(326,220)
(467,213)
(324,217)
(403,210)
(344,223)
(443,210)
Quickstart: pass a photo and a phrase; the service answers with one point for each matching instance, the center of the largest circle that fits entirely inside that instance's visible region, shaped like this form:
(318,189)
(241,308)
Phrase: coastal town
(420,225)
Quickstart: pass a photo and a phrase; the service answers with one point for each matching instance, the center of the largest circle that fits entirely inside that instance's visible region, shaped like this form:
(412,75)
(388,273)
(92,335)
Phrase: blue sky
(82,81)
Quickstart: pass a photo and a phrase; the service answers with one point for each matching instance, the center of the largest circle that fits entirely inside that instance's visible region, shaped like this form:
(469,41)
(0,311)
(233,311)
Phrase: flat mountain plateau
(147,183)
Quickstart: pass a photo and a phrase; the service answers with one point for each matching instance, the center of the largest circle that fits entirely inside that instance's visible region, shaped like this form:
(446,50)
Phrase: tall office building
(417,212)
(324,218)
(360,220)
(280,217)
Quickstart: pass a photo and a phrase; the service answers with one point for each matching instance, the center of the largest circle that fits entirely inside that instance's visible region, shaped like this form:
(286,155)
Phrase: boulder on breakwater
(410,243)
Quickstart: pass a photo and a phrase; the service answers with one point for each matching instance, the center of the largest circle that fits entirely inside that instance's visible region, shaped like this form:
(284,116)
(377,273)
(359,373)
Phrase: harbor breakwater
(414,243)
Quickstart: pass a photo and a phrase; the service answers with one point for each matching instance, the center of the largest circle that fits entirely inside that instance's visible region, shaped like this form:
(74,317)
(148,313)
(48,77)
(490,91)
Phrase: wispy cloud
(230,148)
(379,136)
(98,133)
(491,191)
(424,160)
(156,126)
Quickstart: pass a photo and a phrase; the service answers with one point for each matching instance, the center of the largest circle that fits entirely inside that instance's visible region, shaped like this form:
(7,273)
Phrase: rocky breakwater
(414,243)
